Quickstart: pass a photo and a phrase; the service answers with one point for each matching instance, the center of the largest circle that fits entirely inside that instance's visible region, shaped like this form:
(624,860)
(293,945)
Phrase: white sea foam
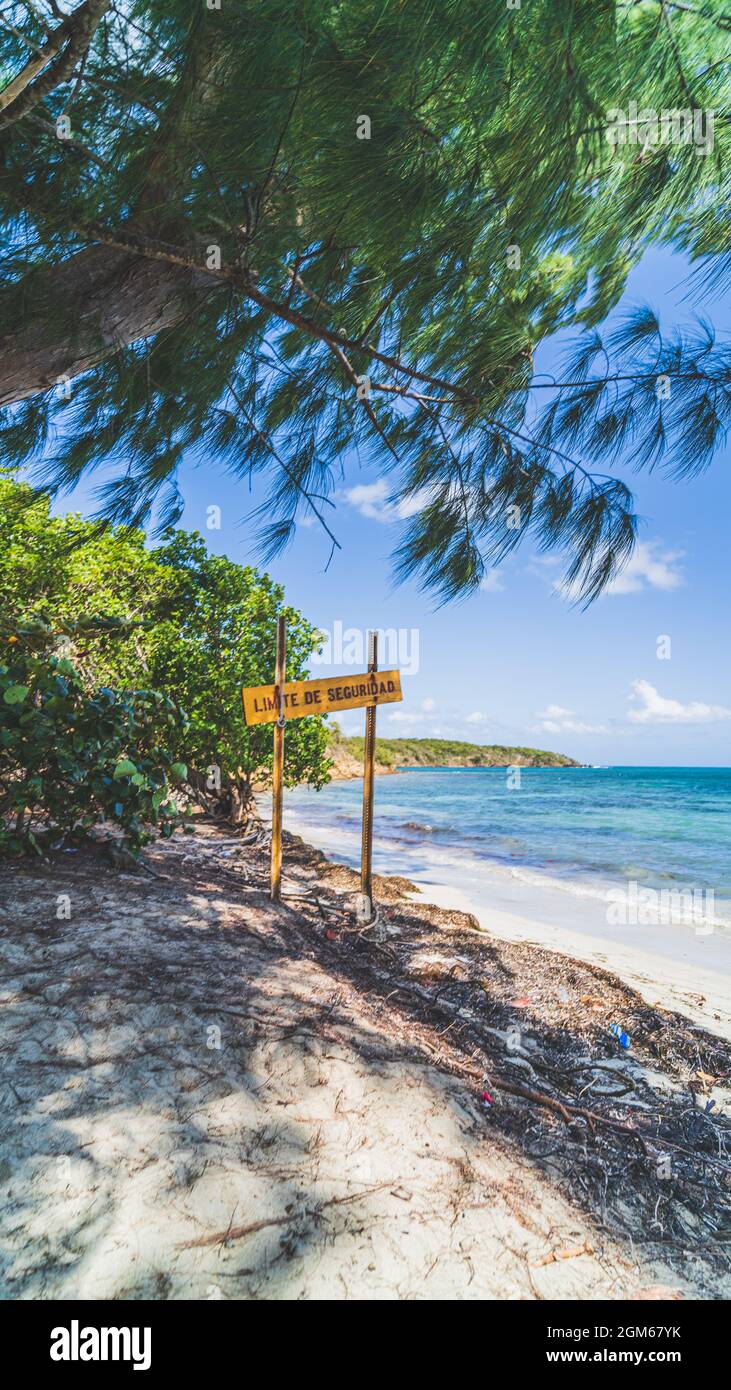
(519,888)
(672,965)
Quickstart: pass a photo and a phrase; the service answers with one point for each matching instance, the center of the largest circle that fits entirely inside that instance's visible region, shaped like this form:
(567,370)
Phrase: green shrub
(71,758)
(194,625)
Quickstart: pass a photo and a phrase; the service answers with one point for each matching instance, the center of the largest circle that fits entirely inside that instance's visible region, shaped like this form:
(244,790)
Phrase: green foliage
(387,257)
(212,631)
(71,758)
(175,619)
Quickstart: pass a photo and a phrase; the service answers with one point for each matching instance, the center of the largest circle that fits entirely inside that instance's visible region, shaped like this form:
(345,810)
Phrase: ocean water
(583,830)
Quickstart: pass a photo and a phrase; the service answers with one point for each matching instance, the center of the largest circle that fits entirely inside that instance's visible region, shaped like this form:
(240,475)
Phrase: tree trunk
(241,803)
(71,40)
(100,300)
(234,803)
(91,305)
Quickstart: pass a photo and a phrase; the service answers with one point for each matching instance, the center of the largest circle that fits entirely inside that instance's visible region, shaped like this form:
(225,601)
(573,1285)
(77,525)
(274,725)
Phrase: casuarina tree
(277,231)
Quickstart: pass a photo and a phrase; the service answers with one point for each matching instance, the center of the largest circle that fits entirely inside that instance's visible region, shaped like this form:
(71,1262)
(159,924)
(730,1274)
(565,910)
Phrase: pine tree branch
(499,426)
(623,376)
(70,141)
(370,412)
(41,18)
(68,43)
(266,441)
(433,415)
(311,294)
(18,34)
(243,281)
(676,52)
(720,21)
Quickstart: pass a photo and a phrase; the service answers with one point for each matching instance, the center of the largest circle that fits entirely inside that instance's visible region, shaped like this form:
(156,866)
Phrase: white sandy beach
(674,966)
(305,1151)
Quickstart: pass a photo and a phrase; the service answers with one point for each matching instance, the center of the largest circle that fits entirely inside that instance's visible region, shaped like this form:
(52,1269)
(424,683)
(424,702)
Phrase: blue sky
(516,663)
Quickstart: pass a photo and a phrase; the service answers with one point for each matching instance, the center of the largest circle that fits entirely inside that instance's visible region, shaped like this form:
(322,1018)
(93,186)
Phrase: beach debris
(240,1232)
(608,1149)
(697,1122)
(592,1001)
(570,1252)
(622,1038)
(621,1082)
(657,1291)
(705,1081)
(436,967)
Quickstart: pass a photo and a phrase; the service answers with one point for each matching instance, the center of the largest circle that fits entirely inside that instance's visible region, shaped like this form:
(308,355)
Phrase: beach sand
(205,1096)
(672,965)
(667,965)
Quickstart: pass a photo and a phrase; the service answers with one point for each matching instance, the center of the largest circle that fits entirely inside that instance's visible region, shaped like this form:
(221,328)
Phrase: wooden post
(366,857)
(278,766)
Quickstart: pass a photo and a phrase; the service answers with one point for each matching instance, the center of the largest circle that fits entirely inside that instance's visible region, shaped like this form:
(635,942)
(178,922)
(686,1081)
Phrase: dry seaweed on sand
(630,1136)
(625,1138)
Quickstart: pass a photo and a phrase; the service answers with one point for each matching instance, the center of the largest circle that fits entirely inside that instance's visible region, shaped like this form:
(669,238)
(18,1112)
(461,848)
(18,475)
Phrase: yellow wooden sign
(321,696)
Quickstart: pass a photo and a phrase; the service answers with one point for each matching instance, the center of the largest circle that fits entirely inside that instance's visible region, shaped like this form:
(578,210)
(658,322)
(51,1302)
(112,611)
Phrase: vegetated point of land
(393,754)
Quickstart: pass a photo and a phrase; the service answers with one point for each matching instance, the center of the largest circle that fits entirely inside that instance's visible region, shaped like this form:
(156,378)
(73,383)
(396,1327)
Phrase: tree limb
(68,43)
(123,299)
(243,280)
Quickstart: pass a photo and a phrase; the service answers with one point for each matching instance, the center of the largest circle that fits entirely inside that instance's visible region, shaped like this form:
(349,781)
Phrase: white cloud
(570,726)
(554,719)
(649,567)
(372,501)
(402,716)
(369,499)
(476,718)
(492,583)
(554,712)
(428,705)
(656,709)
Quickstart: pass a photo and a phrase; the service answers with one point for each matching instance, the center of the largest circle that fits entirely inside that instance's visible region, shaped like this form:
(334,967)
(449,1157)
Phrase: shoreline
(668,965)
(348,768)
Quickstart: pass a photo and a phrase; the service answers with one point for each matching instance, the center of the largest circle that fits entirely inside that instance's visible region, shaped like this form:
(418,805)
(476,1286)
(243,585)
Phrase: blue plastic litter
(622,1038)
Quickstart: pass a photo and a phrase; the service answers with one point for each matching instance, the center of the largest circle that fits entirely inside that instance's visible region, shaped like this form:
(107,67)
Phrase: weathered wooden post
(278,765)
(273,704)
(369,758)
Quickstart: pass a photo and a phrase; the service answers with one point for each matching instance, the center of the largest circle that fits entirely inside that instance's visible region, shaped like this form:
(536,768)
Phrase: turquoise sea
(585,829)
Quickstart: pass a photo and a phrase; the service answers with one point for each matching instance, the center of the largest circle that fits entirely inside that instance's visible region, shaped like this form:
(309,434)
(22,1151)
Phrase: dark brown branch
(356,381)
(243,281)
(238,1232)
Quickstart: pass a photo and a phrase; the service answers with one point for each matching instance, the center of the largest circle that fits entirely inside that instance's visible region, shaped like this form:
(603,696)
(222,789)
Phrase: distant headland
(392,754)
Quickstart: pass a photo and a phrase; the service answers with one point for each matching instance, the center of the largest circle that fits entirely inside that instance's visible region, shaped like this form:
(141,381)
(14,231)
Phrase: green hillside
(392,753)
